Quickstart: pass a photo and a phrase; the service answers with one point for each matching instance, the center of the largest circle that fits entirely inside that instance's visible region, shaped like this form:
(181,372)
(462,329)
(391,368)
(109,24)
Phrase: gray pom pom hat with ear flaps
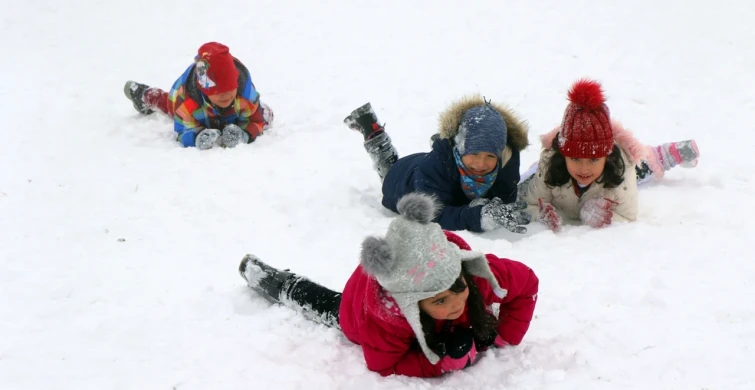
(415,261)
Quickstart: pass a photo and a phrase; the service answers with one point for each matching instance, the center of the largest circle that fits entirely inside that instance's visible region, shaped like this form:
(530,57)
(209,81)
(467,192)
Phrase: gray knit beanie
(415,261)
(481,129)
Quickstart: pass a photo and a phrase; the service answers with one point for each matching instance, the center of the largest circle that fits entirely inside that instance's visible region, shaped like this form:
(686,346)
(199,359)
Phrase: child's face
(447,305)
(224,99)
(480,163)
(585,170)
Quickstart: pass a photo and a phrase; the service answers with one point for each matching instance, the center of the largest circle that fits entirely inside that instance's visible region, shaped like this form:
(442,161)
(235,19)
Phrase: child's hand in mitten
(206,138)
(495,214)
(494,339)
(232,135)
(549,216)
(597,212)
(500,342)
(460,350)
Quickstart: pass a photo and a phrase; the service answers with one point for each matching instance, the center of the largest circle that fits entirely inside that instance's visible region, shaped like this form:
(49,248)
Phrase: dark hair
(484,323)
(557,175)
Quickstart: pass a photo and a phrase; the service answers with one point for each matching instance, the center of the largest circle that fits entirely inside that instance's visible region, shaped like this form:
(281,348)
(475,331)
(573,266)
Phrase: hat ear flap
(475,263)
(411,312)
(377,259)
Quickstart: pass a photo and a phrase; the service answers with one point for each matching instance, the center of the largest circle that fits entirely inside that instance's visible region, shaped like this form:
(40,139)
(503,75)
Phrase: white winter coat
(565,199)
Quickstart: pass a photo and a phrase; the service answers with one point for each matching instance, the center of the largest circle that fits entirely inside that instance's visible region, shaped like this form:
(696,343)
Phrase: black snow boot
(135,92)
(364,120)
(382,152)
(376,141)
(266,280)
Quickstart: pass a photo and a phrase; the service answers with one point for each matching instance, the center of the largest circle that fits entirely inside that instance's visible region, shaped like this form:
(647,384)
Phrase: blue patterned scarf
(474,186)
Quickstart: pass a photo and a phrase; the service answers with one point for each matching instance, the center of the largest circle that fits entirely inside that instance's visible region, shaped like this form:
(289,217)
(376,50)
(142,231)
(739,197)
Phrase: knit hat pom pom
(418,207)
(377,257)
(587,94)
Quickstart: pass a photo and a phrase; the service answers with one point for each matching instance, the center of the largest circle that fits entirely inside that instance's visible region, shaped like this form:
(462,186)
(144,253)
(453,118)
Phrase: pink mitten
(597,212)
(449,363)
(500,342)
(461,350)
(549,216)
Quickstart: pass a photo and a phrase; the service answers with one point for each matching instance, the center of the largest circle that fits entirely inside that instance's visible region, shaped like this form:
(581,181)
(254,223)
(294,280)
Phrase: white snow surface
(119,249)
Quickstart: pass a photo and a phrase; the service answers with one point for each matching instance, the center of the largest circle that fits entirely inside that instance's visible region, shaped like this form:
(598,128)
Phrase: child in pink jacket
(419,302)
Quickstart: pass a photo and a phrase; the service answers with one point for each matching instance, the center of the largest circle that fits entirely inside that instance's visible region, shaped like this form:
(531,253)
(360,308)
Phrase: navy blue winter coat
(436,172)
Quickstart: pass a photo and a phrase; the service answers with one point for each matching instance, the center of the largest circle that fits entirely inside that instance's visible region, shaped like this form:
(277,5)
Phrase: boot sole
(361,110)
(258,288)
(352,117)
(127,92)
(242,266)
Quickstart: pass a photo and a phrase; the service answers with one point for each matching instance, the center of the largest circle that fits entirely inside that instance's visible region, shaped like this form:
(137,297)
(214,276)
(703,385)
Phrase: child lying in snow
(419,303)
(474,159)
(214,101)
(590,165)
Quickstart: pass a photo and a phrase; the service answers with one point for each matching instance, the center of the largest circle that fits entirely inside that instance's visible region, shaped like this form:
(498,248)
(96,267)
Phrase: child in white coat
(590,165)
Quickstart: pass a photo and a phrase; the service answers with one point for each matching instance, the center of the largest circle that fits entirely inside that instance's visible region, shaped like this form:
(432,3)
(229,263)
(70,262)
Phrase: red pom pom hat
(586,128)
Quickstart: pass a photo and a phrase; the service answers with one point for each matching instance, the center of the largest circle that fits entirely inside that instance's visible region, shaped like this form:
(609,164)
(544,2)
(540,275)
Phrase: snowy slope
(663,303)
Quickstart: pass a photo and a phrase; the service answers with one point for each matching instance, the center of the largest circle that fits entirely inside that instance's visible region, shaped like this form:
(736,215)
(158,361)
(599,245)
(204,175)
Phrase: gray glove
(496,214)
(206,139)
(233,135)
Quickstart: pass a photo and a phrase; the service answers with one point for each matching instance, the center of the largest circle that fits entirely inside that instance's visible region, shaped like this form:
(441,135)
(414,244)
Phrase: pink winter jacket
(371,319)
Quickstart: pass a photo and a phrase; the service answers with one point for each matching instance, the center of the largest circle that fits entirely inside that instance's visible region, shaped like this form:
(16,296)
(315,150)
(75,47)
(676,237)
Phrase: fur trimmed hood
(621,136)
(517,128)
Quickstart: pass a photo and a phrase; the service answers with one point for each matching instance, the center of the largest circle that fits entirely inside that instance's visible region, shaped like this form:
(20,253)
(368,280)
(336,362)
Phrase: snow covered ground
(119,249)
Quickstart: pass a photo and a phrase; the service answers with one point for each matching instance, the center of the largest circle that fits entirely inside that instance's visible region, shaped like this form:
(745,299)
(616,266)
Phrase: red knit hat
(586,128)
(215,70)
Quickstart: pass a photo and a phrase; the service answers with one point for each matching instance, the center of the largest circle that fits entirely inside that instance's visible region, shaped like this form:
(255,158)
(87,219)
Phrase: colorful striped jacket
(193,112)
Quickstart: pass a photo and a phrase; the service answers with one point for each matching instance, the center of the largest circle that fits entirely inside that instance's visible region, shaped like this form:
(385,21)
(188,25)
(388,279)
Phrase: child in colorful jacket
(213,102)
(473,167)
(419,304)
(590,165)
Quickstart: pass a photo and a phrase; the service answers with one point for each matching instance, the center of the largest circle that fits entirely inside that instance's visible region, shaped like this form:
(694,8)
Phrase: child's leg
(524,180)
(529,172)
(296,292)
(145,99)
(135,92)
(156,98)
(383,154)
(664,157)
(376,141)
(316,302)
(643,172)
